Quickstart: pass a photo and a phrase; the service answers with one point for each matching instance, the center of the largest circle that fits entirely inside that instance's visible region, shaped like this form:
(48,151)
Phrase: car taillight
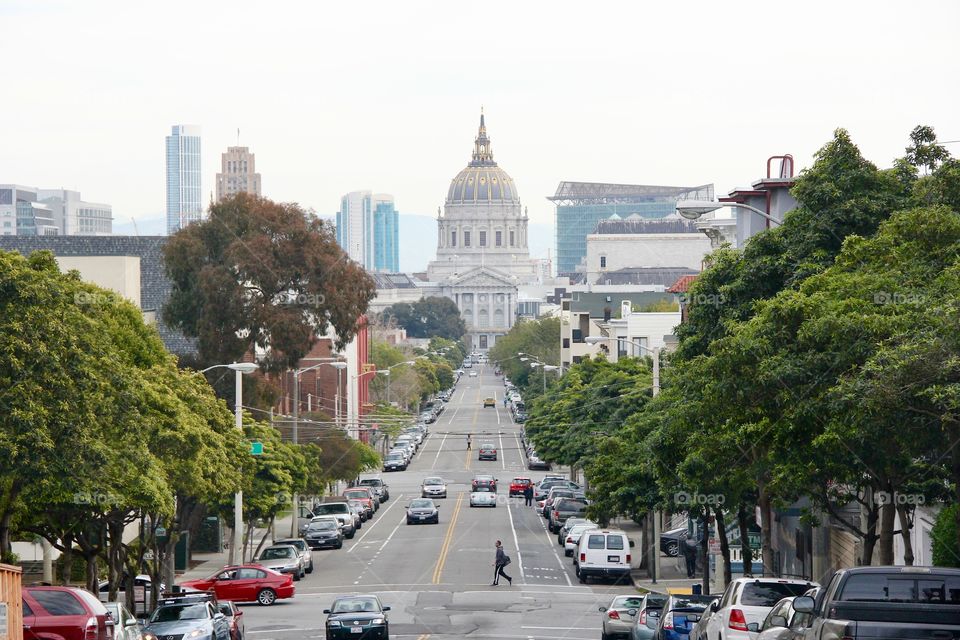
(668,621)
(583,557)
(737,620)
(643,617)
(569,539)
(91,629)
(628,558)
(556,514)
(614,614)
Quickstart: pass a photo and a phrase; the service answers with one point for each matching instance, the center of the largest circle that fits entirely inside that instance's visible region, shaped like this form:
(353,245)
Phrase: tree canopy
(429,317)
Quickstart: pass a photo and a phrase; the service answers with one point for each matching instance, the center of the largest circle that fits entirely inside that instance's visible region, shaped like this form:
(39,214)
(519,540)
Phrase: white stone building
(482,252)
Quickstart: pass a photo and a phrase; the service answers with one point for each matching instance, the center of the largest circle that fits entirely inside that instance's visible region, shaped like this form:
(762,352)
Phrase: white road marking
(387,541)
(503,454)
(439,449)
(379,520)
(555,554)
(516,543)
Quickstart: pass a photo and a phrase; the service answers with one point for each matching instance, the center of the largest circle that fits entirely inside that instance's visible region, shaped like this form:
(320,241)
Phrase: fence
(11,606)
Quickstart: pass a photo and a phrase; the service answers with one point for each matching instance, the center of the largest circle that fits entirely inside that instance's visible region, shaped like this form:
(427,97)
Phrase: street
(436,579)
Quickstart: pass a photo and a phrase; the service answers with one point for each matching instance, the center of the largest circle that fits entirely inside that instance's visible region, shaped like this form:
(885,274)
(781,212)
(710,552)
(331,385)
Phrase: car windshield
(483,488)
(357,494)
(372,483)
(173,613)
(433,481)
(421,504)
(696,603)
(355,605)
(325,525)
(767,594)
(627,602)
(277,553)
(486,446)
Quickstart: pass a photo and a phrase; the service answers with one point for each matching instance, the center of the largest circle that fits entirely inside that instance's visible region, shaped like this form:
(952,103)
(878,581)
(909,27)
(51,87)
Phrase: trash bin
(181,553)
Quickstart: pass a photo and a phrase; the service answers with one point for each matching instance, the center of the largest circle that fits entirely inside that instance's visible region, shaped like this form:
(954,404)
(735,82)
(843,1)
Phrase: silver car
(301,545)
(127,627)
(433,487)
(283,558)
(619,616)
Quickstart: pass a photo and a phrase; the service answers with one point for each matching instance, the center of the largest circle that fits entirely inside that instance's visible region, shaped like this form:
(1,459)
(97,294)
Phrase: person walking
(528,495)
(690,555)
(468,442)
(499,563)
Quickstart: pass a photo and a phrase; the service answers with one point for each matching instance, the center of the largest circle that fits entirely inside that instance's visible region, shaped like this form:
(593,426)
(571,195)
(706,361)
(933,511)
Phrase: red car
(64,613)
(246,583)
(365,495)
(518,485)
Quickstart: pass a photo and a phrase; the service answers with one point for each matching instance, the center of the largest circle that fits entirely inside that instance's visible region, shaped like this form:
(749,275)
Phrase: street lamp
(655,354)
(240,368)
(386,372)
(694,209)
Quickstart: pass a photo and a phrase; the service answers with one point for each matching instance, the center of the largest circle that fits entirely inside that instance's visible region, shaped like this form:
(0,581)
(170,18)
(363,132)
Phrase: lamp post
(386,372)
(655,355)
(240,368)
(296,427)
(694,209)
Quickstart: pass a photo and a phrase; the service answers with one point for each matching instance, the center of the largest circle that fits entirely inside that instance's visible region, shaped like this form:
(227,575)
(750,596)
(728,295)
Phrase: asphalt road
(436,578)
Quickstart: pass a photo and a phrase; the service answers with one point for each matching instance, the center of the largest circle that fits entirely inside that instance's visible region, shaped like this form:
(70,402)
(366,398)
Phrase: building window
(566,343)
(483,238)
(603,262)
(511,239)
(499,238)
(466,238)
(453,238)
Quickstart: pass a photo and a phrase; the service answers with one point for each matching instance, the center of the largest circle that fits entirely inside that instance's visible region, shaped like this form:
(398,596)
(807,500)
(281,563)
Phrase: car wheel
(310,567)
(296,577)
(350,537)
(409,521)
(567,552)
(266,597)
(582,577)
(339,544)
(673,549)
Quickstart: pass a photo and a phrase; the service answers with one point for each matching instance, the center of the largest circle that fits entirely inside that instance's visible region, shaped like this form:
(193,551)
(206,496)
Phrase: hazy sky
(339,96)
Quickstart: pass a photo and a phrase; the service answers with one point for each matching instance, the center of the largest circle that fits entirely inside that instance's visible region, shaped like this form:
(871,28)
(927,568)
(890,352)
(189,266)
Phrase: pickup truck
(902,603)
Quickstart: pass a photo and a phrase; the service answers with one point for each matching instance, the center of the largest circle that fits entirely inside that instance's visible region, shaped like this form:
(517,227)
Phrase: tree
(538,338)
(428,318)
(259,275)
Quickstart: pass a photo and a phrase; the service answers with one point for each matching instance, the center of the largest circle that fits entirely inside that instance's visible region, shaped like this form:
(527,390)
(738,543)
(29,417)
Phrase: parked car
(433,487)
(395,462)
(234,616)
(364,495)
(324,533)
(283,558)
(65,613)
(487,452)
(565,529)
(423,510)
(562,509)
(341,510)
(360,510)
(572,539)
(303,548)
(648,617)
(126,625)
(885,602)
(381,488)
(679,614)
(749,600)
(143,593)
(783,622)
(618,616)
(603,553)
(362,617)
(246,583)
(483,496)
(189,615)
(520,417)
(519,484)
(671,542)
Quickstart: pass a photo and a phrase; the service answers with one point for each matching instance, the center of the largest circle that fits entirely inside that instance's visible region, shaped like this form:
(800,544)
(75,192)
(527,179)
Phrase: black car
(423,510)
(671,542)
(324,533)
(361,617)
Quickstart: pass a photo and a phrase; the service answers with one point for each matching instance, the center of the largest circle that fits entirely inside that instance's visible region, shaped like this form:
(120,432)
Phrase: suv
(67,613)
(380,488)
(342,511)
(746,601)
(519,485)
(302,548)
(192,615)
(562,509)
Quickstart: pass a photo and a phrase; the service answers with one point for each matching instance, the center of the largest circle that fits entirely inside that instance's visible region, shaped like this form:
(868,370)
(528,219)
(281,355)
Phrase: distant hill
(144,227)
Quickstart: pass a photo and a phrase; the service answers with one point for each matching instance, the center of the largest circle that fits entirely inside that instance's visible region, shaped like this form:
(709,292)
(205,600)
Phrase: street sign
(256,448)
(713,546)
(753,539)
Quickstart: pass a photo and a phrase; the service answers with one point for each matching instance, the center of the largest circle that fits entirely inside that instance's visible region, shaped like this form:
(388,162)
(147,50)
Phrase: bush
(946,553)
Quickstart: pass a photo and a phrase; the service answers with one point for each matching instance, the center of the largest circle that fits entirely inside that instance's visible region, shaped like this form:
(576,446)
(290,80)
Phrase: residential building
(636,242)
(581,205)
(482,251)
(238,173)
(368,229)
(638,332)
(733,226)
(184,192)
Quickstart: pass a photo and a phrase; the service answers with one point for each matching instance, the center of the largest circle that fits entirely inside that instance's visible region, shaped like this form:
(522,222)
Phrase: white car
(433,487)
(473,374)
(747,601)
(603,553)
(573,537)
(483,496)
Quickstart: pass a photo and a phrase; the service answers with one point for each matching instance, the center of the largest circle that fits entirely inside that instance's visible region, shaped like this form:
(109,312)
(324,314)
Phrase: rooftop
(605,193)
(662,276)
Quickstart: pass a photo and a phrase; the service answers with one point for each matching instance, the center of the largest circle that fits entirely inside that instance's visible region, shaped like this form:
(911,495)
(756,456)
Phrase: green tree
(429,317)
(538,338)
(259,275)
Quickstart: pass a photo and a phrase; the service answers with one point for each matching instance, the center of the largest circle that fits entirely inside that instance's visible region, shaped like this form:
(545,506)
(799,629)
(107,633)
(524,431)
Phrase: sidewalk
(673,571)
(203,565)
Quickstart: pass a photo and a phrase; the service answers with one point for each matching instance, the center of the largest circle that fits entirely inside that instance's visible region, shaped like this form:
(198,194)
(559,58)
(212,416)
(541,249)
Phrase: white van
(602,553)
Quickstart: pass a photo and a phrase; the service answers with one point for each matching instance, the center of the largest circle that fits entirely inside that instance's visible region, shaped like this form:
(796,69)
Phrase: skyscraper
(184,204)
(368,230)
(237,173)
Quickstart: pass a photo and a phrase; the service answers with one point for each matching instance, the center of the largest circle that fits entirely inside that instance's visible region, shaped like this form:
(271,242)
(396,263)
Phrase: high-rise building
(238,173)
(368,230)
(581,205)
(28,211)
(184,203)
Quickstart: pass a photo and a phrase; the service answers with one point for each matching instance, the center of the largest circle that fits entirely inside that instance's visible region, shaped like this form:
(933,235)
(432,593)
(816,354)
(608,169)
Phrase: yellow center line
(445,548)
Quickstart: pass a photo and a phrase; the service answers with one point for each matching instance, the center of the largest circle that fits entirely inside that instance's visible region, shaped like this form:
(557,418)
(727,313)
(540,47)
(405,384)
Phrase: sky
(337,97)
